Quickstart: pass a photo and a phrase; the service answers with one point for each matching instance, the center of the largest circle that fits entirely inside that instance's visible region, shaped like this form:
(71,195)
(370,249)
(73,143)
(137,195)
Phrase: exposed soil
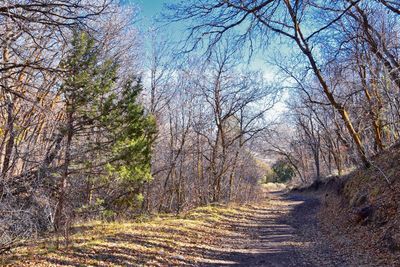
(360,212)
(282,230)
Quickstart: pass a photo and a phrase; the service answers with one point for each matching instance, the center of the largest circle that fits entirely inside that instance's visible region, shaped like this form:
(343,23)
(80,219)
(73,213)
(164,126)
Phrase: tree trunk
(10,116)
(58,218)
(303,45)
(11,134)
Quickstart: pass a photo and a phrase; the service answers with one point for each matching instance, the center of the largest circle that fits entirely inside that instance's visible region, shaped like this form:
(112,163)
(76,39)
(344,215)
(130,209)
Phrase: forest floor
(281,230)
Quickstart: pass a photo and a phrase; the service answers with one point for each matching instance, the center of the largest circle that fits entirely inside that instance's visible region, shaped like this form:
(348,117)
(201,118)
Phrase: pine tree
(86,81)
(105,128)
(133,132)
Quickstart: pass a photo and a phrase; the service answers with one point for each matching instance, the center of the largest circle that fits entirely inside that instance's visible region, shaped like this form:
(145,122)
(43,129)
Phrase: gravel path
(282,232)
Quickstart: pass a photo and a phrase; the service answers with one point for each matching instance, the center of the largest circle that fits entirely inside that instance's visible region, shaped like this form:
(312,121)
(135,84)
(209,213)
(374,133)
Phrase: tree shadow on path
(281,231)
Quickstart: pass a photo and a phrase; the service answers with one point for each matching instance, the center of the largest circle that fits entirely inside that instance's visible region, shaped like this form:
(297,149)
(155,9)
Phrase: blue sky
(150,9)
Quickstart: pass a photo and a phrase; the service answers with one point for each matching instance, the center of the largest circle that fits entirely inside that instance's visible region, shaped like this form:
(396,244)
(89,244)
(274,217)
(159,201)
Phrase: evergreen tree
(107,132)
(86,82)
(133,132)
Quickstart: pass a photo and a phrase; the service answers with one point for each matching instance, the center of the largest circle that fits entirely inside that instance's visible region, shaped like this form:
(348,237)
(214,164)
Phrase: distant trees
(206,127)
(343,76)
(283,171)
(271,17)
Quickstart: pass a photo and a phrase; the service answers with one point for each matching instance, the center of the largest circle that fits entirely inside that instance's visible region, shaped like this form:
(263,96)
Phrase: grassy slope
(378,235)
(165,240)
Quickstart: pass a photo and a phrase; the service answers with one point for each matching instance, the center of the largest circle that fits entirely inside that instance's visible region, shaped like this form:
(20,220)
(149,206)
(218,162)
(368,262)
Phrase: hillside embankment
(360,212)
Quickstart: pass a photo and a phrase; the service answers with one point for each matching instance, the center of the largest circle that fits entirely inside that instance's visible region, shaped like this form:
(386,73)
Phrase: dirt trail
(281,232)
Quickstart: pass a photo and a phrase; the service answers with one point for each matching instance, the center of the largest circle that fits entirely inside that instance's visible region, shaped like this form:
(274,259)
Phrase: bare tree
(280,17)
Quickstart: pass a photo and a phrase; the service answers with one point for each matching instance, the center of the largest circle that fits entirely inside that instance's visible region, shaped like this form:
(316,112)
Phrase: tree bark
(58,218)
(303,45)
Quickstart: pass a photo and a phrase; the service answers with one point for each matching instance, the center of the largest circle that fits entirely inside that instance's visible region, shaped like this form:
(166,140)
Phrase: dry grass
(166,240)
